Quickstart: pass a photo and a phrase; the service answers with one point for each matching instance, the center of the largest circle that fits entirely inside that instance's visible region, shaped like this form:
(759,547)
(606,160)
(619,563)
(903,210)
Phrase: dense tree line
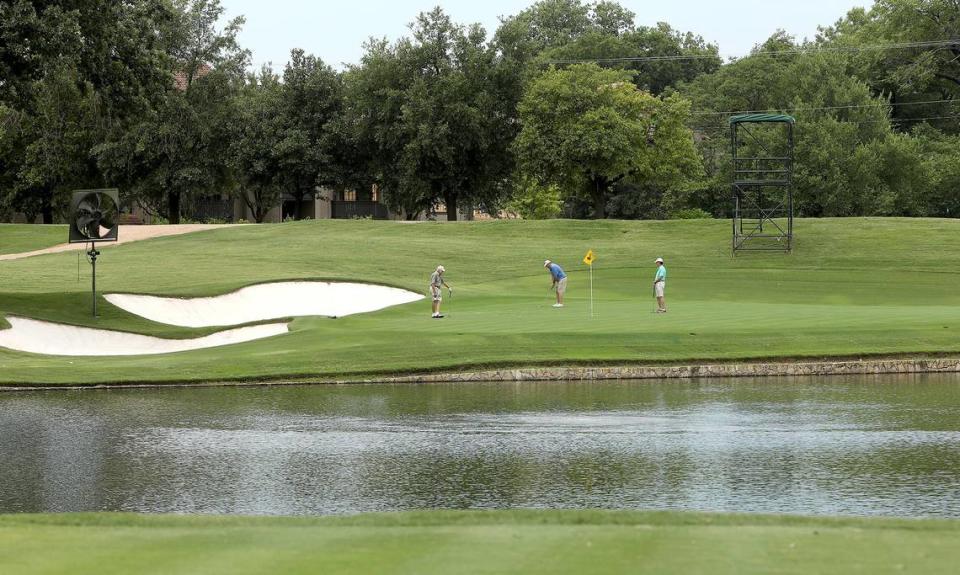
(568,108)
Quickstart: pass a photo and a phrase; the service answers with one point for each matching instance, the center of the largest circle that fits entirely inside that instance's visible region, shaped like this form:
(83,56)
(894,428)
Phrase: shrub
(691,214)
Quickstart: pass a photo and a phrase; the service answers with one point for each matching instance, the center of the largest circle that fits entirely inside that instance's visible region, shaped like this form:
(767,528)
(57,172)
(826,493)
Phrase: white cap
(659,261)
(441,269)
(546,263)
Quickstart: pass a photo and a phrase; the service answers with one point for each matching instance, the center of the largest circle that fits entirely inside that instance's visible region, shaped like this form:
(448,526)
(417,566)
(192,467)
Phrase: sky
(336,30)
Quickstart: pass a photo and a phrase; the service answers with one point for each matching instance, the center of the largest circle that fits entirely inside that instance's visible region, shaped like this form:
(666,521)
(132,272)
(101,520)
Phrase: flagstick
(591,291)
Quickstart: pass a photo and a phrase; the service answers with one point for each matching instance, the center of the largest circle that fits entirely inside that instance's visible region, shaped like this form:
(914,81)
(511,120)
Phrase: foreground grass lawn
(19,238)
(529,542)
(852,287)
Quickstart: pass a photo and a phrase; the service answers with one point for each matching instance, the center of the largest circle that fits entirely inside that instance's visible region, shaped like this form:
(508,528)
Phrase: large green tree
(428,119)
(72,72)
(848,161)
(923,67)
(309,149)
(560,31)
(256,152)
(173,155)
(58,136)
(586,129)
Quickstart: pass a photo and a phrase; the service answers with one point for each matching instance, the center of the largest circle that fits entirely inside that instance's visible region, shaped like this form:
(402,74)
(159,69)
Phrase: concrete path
(127,234)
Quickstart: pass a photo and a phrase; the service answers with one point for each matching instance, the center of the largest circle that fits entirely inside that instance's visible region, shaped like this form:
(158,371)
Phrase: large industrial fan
(94,216)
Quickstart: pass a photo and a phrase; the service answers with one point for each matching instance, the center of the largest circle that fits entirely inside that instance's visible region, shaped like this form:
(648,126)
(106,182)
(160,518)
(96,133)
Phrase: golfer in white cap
(559,281)
(436,283)
(659,283)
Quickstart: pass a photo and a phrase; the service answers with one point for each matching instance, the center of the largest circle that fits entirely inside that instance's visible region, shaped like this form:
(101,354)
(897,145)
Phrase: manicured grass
(529,542)
(19,238)
(852,287)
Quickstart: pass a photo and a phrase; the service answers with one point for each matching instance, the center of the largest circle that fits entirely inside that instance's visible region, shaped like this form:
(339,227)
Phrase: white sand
(35,336)
(265,302)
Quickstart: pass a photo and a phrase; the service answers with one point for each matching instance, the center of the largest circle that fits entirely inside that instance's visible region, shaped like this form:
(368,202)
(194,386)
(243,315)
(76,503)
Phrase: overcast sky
(336,31)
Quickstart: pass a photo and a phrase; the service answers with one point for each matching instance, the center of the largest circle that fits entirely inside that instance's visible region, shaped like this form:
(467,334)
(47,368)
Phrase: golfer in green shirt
(659,284)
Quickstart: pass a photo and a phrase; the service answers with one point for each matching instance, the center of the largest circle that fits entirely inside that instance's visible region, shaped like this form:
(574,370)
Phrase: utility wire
(823,108)
(724,130)
(788,52)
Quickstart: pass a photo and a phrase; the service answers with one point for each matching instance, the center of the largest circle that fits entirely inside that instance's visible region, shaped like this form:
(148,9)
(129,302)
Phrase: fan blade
(92,230)
(108,221)
(83,223)
(86,205)
(110,212)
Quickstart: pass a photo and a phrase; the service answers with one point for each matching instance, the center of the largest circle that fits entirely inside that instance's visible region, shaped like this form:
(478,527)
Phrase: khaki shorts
(562,286)
(658,287)
(437,293)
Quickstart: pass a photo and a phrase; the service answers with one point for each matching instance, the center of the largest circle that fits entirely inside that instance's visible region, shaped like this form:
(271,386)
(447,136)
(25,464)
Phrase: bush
(531,201)
(691,214)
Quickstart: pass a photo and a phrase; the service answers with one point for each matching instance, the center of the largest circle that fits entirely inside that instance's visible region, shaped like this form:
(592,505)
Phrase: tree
(310,101)
(173,154)
(368,128)
(844,145)
(939,153)
(59,135)
(571,31)
(428,118)
(255,147)
(907,75)
(72,72)
(586,129)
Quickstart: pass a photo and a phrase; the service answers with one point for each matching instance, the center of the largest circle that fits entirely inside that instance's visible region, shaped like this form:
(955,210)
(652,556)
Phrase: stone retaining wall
(883,366)
(746,369)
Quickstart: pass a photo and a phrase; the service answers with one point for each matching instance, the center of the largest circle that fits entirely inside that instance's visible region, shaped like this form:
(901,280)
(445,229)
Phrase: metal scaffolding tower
(762,182)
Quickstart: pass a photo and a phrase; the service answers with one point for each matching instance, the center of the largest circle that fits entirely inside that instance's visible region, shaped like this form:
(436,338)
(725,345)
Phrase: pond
(870,445)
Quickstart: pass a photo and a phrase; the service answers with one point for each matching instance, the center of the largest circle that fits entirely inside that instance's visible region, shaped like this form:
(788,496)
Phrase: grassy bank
(15,239)
(528,542)
(852,287)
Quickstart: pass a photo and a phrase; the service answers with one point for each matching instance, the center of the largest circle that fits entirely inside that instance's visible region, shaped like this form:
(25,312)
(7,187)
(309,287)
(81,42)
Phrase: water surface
(832,446)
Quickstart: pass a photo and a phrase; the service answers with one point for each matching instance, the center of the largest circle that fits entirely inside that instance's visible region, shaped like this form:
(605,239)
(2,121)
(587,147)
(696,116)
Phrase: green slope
(20,238)
(529,542)
(852,287)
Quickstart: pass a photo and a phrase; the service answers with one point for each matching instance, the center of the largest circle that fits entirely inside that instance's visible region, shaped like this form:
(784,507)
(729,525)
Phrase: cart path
(128,233)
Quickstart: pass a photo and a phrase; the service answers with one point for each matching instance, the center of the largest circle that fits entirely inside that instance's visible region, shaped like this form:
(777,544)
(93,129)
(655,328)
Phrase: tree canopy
(587,129)
(569,107)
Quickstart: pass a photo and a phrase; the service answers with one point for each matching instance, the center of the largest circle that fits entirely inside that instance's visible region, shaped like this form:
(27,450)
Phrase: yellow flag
(588,259)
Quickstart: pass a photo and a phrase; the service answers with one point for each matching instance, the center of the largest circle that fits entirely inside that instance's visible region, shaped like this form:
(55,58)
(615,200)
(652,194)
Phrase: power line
(824,108)
(899,120)
(723,130)
(788,52)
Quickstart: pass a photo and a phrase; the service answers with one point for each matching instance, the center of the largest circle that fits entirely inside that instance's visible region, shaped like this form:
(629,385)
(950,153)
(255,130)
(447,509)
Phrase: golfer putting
(559,278)
(437,284)
(659,284)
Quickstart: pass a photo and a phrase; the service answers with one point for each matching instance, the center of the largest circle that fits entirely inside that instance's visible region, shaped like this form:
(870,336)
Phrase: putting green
(476,542)
(852,287)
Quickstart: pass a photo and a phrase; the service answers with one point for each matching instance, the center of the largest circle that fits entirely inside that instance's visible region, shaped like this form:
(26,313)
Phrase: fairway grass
(852,288)
(20,238)
(448,542)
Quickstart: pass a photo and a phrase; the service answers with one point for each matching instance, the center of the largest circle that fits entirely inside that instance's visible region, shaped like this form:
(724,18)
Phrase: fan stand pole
(93,253)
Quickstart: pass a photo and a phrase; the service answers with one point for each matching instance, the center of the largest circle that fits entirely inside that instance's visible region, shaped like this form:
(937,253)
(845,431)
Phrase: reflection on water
(840,446)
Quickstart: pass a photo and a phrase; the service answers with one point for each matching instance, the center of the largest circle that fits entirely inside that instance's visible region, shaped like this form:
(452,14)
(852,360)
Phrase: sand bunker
(35,336)
(265,302)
